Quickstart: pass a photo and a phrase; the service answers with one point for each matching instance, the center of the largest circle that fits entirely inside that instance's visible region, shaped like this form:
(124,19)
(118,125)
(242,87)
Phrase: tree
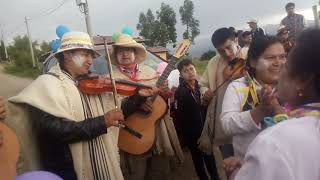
(187,19)
(208,55)
(146,26)
(20,51)
(2,51)
(45,47)
(161,30)
(167,19)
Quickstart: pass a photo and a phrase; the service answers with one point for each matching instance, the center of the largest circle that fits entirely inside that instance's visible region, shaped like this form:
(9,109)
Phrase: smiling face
(78,62)
(268,66)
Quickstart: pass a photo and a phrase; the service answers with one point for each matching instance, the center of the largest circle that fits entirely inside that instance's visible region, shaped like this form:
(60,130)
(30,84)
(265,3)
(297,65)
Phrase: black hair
(257,47)
(246,33)
(221,35)
(184,63)
(290,4)
(304,58)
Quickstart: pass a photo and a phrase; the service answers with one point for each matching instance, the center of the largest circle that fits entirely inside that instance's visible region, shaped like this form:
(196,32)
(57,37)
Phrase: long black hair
(305,58)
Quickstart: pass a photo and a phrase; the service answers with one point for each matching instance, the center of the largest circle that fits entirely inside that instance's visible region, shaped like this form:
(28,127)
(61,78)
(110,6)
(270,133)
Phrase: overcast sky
(110,16)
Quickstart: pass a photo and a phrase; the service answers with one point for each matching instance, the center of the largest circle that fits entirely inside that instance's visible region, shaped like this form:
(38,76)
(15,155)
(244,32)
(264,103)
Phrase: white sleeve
(232,119)
(265,161)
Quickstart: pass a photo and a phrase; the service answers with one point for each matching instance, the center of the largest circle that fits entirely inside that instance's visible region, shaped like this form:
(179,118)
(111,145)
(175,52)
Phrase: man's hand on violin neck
(114,117)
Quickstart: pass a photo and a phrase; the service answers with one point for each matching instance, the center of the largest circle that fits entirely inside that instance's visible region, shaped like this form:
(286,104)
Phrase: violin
(235,69)
(96,84)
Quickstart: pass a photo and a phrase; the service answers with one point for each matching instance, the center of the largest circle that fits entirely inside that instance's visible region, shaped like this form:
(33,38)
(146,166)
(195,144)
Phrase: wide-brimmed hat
(76,40)
(252,21)
(281,29)
(125,40)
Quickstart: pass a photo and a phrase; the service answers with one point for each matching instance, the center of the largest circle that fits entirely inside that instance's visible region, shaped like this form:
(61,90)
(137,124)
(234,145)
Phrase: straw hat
(125,40)
(281,29)
(76,40)
(252,21)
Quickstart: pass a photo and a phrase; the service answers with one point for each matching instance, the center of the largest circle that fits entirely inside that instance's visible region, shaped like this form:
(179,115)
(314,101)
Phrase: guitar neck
(166,72)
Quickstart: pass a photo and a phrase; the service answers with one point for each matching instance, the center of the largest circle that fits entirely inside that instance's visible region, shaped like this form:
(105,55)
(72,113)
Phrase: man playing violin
(128,57)
(76,132)
(213,85)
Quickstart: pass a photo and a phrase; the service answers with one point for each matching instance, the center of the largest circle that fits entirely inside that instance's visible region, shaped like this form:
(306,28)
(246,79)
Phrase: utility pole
(4,44)
(84,8)
(316,16)
(30,44)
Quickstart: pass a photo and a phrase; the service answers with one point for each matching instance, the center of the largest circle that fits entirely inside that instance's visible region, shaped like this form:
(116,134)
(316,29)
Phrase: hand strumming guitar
(147,105)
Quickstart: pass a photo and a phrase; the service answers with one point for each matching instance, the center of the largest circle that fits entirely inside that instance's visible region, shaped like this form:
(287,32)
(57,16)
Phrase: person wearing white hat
(63,130)
(128,57)
(256,31)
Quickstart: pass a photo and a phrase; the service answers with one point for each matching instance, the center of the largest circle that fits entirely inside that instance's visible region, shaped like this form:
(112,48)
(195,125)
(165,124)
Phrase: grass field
(200,66)
(21,72)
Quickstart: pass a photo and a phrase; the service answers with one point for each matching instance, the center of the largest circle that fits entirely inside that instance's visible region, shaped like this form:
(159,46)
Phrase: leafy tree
(167,19)
(208,55)
(146,26)
(2,51)
(19,51)
(161,30)
(187,19)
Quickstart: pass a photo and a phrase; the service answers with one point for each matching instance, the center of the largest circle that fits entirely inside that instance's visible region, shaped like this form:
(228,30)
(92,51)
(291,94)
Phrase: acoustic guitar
(145,123)
(9,152)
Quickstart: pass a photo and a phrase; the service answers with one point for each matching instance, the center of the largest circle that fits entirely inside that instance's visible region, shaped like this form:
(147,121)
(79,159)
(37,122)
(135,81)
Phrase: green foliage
(200,66)
(20,53)
(2,51)
(21,71)
(187,19)
(167,19)
(45,47)
(161,30)
(208,55)
(146,26)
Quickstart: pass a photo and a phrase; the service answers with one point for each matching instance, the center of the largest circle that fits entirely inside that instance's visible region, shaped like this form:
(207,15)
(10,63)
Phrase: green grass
(200,66)
(22,72)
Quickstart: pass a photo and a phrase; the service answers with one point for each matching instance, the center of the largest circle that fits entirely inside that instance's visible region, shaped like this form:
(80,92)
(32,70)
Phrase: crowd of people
(253,114)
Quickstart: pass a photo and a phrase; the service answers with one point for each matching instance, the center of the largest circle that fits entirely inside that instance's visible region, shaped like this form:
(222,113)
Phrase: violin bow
(113,81)
(114,89)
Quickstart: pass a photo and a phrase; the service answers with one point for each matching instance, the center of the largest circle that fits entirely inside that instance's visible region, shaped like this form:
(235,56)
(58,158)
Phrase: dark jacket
(190,114)
(257,32)
(54,136)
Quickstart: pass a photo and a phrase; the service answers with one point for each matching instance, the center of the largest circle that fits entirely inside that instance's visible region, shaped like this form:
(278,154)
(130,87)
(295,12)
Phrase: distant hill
(271,29)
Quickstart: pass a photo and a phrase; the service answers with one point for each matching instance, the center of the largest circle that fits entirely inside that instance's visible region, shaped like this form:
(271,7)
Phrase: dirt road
(11,85)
